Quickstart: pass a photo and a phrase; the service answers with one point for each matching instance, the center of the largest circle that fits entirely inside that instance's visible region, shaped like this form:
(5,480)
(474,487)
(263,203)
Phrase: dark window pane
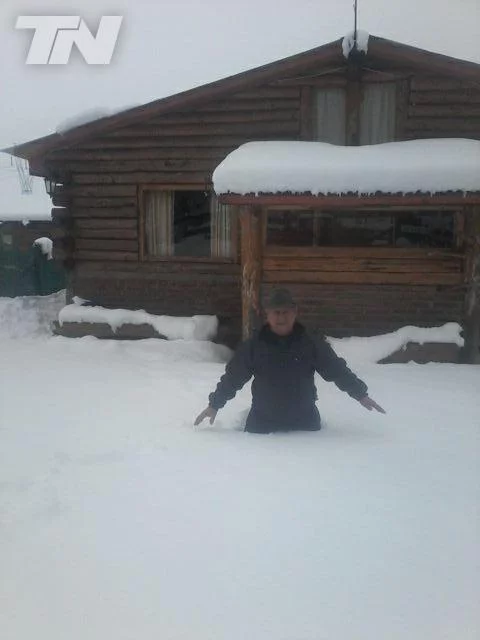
(191,223)
(290,228)
(424,229)
(361,228)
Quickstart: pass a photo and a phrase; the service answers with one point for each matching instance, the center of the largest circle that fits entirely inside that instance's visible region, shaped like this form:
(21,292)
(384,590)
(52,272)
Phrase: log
(361,277)
(107,245)
(85,171)
(472,298)
(174,178)
(258,129)
(423,83)
(343,202)
(113,234)
(250,105)
(212,117)
(100,191)
(319,81)
(271,92)
(445,97)
(444,124)
(384,253)
(119,206)
(251,265)
(168,141)
(99,223)
(108,256)
(96,212)
(444,110)
(153,153)
(386,265)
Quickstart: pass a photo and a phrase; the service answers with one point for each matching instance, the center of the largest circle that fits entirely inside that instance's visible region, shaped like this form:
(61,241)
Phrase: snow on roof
(348,42)
(428,166)
(15,205)
(89,115)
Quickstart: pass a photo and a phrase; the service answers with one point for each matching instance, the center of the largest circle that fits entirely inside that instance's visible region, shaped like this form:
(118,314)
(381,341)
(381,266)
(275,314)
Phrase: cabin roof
(379,49)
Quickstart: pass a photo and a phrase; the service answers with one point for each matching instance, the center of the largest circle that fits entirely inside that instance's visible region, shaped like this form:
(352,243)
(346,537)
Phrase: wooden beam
(377,265)
(361,277)
(472,298)
(342,202)
(251,263)
(401,108)
(306,113)
(376,253)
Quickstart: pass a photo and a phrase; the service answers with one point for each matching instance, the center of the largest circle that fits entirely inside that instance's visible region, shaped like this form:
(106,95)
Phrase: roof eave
(351,200)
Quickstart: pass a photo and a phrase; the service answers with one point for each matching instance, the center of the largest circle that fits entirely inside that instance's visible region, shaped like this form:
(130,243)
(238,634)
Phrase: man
(283,359)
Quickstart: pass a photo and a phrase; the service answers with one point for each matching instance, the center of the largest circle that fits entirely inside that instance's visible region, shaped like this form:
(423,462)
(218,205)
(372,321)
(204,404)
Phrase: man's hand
(370,404)
(209,412)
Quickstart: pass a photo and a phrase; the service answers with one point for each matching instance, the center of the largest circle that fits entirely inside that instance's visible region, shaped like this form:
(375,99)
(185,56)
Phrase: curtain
(329,118)
(159,222)
(377,113)
(221,225)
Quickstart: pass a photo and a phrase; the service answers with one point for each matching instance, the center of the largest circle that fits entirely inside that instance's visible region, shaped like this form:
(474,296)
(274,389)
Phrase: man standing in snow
(283,359)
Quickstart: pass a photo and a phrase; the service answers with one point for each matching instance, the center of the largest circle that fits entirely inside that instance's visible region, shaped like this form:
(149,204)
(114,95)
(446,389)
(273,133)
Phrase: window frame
(308,101)
(458,214)
(143,255)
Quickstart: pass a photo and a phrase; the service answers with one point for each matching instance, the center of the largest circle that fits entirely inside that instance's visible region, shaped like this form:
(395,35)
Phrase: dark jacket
(283,388)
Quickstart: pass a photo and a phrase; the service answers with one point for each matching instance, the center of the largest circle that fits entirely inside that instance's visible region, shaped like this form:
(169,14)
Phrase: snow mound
(29,316)
(173,328)
(46,246)
(427,166)
(376,348)
(348,43)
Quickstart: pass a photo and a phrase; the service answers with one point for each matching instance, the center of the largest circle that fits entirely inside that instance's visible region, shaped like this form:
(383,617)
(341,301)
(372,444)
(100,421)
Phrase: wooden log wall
(362,265)
(178,149)
(442,108)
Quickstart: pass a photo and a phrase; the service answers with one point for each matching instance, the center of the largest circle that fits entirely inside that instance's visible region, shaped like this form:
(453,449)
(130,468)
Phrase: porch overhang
(316,174)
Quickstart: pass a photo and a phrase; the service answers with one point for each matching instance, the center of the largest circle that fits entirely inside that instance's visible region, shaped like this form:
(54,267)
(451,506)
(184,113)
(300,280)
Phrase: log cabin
(144,228)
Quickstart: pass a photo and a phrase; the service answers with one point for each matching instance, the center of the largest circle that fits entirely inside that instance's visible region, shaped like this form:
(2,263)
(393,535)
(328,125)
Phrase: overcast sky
(167,46)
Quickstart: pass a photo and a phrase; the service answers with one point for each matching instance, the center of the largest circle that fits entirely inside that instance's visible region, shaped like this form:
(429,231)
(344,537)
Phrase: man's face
(281,321)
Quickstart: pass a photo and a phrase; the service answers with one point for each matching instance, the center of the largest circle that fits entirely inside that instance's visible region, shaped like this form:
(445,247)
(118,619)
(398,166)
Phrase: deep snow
(119,520)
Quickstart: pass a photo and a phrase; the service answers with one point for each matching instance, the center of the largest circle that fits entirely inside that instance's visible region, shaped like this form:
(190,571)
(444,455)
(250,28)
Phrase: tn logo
(55,36)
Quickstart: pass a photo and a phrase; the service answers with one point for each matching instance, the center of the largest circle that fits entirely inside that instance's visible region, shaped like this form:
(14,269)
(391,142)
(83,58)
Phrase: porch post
(251,261)
(472,300)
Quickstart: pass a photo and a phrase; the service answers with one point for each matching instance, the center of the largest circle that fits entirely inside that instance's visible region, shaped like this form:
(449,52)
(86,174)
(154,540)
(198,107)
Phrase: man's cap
(279,299)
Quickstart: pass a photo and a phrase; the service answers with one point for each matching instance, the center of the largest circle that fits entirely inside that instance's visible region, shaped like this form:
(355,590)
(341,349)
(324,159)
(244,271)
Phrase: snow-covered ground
(120,520)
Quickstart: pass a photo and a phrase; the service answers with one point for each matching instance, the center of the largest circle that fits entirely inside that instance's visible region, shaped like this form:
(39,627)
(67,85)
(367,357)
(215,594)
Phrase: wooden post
(353,99)
(251,254)
(472,299)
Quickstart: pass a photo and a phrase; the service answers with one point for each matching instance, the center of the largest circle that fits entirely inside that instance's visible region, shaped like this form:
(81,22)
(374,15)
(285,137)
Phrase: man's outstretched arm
(334,369)
(237,373)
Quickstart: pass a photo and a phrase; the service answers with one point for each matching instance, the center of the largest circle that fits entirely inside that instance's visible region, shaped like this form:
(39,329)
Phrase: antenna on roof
(24,176)
(355,14)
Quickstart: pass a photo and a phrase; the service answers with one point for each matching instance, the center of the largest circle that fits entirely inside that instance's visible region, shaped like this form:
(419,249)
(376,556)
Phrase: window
(377,113)
(409,228)
(186,223)
(329,119)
